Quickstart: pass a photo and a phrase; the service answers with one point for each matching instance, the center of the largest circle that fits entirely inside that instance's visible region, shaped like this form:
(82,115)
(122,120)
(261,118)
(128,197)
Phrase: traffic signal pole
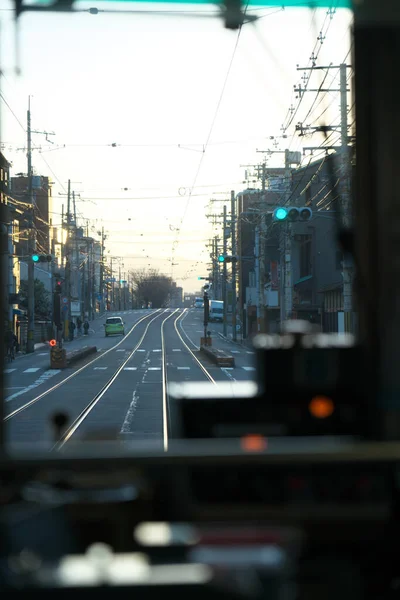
(30,343)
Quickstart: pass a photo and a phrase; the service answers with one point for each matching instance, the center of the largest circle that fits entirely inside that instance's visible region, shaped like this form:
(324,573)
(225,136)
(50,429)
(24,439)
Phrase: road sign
(64,308)
(65,300)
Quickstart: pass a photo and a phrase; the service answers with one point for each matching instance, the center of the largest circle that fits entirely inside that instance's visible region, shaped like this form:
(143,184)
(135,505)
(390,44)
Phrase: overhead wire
(210,129)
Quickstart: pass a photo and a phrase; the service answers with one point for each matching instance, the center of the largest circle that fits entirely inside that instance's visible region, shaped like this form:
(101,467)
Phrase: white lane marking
(154,368)
(176,350)
(235,351)
(141,350)
(249,352)
(126,425)
(227,370)
(130,368)
(199,331)
(183,368)
(31,370)
(99,368)
(157,350)
(6,371)
(249,368)
(42,354)
(44,377)
(121,350)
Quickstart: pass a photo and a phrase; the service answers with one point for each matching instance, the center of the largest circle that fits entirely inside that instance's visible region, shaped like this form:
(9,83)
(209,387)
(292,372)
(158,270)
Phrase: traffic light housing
(41,258)
(227,258)
(291,214)
(58,286)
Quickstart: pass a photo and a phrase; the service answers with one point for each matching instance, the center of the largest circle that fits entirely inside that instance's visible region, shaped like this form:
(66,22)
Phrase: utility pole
(112,285)
(343,150)
(68,266)
(286,283)
(76,257)
(257,274)
(346,203)
(287,232)
(119,286)
(30,345)
(233,240)
(261,250)
(101,284)
(224,271)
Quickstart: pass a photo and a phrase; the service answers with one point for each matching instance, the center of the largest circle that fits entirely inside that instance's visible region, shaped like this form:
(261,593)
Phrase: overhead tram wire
(176,242)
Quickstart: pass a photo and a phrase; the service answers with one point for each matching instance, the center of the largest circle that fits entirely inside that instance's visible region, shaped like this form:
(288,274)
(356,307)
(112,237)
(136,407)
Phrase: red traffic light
(53,342)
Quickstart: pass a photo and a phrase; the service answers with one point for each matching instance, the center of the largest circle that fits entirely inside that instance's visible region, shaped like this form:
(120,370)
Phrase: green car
(114,326)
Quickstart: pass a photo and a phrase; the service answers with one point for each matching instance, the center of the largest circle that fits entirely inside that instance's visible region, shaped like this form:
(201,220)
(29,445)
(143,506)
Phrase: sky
(155,115)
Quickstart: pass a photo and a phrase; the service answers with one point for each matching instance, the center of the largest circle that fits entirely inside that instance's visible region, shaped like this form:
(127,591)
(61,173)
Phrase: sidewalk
(247,342)
(46,346)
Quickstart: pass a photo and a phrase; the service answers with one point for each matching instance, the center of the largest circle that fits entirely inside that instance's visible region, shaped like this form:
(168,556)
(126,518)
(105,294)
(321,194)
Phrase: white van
(216,311)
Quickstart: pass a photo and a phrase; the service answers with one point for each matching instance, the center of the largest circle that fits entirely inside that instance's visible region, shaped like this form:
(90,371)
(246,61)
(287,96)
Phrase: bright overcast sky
(163,90)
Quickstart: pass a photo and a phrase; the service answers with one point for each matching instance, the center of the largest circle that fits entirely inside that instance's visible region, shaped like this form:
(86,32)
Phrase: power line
(211,127)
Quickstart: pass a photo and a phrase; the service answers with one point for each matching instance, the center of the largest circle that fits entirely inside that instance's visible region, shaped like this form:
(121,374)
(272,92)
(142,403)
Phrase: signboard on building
(75,308)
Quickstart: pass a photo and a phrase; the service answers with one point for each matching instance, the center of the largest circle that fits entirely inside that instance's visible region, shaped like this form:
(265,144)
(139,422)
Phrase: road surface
(119,392)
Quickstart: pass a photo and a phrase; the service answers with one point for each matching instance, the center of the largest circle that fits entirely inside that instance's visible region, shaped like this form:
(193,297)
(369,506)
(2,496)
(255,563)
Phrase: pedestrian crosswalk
(32,370)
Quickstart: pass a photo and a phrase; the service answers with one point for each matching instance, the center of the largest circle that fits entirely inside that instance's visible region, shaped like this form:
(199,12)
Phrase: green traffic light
(35,257)
(221,258)
(281,214)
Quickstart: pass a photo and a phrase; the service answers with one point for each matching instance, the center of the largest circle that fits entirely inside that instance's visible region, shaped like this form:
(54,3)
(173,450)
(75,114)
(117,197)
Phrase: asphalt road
(118,393)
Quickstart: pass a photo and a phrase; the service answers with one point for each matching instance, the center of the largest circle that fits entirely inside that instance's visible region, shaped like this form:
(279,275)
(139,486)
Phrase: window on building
(305,256)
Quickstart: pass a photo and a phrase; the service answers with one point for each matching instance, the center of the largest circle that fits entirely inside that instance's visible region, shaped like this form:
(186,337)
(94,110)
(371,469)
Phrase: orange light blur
(53,342)
(321,407)
(254,443)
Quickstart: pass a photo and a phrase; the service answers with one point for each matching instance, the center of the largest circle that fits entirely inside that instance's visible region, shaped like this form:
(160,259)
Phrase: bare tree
(150,287)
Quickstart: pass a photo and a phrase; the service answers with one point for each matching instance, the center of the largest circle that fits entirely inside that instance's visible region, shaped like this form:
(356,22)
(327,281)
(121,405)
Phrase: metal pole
(287,249)
(257,271)
(68,266)
(346,202)
(224,271)
(30,344)
(112,285)
(261,247)
(233,238)
(101,284)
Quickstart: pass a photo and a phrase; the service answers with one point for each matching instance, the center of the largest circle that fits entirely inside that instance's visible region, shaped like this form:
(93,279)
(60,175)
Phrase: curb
(218,357)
